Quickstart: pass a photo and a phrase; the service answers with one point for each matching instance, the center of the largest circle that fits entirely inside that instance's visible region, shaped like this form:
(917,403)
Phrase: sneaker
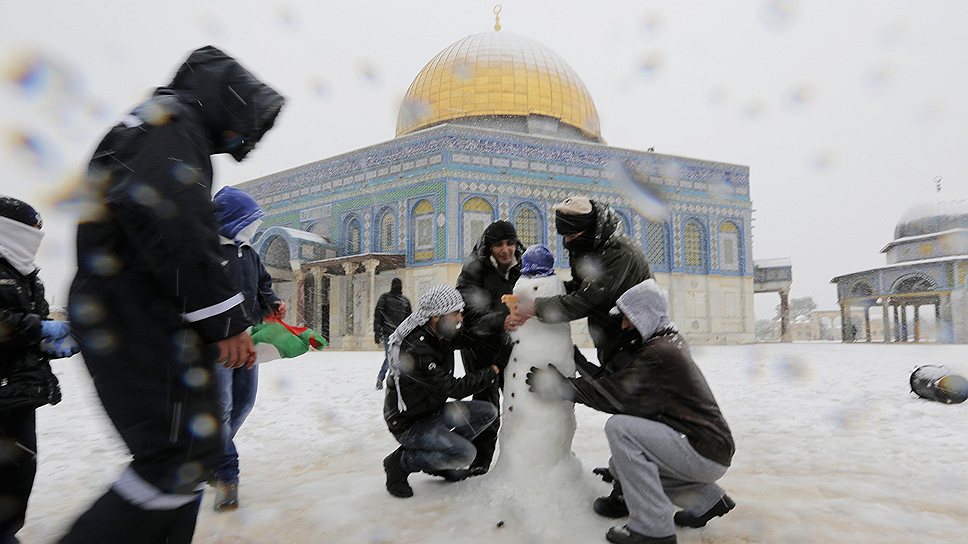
(226,496)
(722,506)
(397,484)
(379,385)
(613,506)
(624,535)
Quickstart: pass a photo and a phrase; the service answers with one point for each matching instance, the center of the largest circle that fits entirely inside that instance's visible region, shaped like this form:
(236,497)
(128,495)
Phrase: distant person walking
(391,309)
(152,304)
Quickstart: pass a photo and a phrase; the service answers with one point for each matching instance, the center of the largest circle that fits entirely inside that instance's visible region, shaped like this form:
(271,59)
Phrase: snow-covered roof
(905,263)
(770,263)
(303,235)
(932,235)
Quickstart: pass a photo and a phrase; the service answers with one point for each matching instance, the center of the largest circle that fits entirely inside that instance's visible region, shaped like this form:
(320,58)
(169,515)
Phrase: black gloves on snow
(549,384)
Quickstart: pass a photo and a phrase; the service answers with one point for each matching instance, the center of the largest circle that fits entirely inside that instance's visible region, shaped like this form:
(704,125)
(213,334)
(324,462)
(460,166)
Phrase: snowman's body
(536,434)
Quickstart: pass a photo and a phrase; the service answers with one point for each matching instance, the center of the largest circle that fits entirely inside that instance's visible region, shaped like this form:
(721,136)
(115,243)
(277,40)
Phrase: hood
(234,210)
(647,307)
(483,246)
(606,223)
(396,286)
(230,99)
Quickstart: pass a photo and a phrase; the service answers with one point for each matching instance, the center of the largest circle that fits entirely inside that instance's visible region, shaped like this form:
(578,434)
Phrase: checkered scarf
(439,300)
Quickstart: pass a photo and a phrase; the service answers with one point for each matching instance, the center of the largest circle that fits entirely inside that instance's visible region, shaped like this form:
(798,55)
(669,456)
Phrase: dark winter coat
(427,379)
(149,239)
(391,309)
(245,269)
(481,285)
(662,383)
(25,376)
(597,280)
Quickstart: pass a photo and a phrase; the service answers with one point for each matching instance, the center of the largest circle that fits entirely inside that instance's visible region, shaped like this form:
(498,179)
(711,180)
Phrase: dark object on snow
(934,382)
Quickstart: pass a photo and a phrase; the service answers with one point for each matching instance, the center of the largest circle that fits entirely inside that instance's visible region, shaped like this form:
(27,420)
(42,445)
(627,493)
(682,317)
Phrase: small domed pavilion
(927,266)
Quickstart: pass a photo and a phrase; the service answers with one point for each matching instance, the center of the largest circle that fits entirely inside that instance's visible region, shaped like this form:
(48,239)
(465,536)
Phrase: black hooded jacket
(25,376)
(481,285)
(391,309)
(597,280)
(148,236)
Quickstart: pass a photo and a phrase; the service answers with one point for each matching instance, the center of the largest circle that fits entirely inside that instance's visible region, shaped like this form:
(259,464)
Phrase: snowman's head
(537,287)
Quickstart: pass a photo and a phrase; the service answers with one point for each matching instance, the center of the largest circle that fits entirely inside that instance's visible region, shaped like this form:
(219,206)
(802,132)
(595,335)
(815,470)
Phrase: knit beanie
(537,262)
(497,231)
(575,214)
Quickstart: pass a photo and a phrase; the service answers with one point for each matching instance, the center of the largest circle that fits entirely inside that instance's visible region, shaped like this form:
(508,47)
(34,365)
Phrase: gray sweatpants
(658,467)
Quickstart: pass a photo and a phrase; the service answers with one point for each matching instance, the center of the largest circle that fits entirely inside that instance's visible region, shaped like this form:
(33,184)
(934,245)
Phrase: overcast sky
(845,112)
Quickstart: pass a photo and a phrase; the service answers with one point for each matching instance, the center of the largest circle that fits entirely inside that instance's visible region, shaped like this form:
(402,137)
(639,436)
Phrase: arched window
(423,228)
(528,226)
(353,237)
(728,246)
(693,242)
(385,241)
(655,244)
(476,215)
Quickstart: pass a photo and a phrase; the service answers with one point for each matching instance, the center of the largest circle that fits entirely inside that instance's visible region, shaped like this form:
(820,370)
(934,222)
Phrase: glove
(549,384)
(377,338)
(56,339)
(605,473)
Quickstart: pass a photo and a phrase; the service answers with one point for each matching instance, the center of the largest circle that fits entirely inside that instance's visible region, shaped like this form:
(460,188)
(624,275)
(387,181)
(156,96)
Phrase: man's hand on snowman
(549,384)
(522,312)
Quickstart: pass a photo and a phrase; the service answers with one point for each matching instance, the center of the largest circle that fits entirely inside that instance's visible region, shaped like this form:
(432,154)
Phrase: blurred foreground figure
(153,306)
(668,439)
(28,341)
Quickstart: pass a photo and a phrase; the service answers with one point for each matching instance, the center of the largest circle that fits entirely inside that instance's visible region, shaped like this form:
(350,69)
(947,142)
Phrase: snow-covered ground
(830,448)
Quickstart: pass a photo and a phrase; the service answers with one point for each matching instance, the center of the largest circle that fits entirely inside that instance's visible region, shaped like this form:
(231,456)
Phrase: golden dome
(497,74)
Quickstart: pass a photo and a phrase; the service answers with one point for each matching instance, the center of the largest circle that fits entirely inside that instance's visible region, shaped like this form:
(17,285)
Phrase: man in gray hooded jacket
(668,439)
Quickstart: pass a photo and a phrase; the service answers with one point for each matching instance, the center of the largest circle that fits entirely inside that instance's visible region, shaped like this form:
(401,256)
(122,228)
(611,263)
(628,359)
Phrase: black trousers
(498,351)
(18,465)
(113,520)
(158,390)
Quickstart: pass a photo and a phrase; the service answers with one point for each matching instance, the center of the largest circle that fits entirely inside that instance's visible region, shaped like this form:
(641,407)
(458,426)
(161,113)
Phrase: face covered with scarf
(575,221)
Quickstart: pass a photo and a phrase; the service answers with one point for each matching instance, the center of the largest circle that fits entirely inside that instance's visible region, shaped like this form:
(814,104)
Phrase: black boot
(451,475)
(612,506)
(624,535)
(396,475)
(722,506)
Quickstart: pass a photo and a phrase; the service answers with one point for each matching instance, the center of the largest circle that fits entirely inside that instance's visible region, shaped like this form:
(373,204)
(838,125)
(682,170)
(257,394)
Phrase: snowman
(536,435)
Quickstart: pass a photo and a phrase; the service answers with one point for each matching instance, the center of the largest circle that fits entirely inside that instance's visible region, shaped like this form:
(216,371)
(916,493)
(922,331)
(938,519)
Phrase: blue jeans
(442,440)
(235,390)
(386,362)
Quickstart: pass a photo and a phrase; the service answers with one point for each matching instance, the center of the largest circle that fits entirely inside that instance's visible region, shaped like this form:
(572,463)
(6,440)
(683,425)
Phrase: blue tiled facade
(435,183)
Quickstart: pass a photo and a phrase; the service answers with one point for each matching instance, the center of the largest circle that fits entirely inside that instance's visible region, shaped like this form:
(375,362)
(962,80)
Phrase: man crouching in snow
(435,436)
(668,439)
